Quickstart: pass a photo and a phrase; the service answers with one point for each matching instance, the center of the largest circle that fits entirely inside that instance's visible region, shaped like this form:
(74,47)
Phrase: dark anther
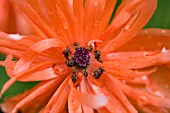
(19,111)
(70,63)
(89,48)
(66,52)
(74,77)
(84,72)
(97,55)
(98,73)
(75,44)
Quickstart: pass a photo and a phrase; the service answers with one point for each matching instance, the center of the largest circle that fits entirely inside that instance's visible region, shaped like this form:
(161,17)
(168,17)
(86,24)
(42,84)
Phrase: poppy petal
(96,101)
(131,28)
(156,40)
(136,60)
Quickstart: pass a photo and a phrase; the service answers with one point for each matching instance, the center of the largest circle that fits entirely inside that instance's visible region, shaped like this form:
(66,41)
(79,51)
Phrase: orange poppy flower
(86,65)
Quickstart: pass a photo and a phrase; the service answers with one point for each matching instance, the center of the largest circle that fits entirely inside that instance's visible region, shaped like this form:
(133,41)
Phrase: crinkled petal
(149,40)
(136,60)
(29,56)
(91,100)
(35,105)
(39,91)
(115,90)
(132,27)
(58,101)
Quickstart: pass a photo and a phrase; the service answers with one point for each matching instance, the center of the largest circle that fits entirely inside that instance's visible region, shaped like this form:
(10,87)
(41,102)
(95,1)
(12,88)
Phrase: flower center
(81,59)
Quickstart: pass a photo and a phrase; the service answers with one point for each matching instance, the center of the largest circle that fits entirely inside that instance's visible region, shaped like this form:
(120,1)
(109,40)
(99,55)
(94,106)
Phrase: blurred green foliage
(161,19)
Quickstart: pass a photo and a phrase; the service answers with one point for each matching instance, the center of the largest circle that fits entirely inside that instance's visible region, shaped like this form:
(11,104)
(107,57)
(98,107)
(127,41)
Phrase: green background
(160,19)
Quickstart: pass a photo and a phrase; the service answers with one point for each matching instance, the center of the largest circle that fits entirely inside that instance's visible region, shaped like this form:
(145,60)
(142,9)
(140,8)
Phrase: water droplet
(97,23)
(159,44)
(112,111)
(145,31)
(124,81)
(114,45)
(163,50)
(131,59)
(99,91)
(66,25)
(144,77)
(134,64)
(166,86)
(96,3)
(157,93)
(142,100)
(163,31)
(153,61)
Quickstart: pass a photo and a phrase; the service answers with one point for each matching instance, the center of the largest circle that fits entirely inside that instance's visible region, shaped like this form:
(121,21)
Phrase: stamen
(66,52)
(98,73)
(70,63)
(84,72)
(81,59)
(97,55)
(74,77)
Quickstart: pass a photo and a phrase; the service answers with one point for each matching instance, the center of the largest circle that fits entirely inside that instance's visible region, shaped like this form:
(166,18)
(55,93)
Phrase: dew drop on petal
(145,77)
(112,111)
(142,100)
(158,93)
(163,31)
(114,45)
(166,86)
(163,50)
(66,25)
(99,91)
(134,64)
(131,59)
(159,44)
(96,3)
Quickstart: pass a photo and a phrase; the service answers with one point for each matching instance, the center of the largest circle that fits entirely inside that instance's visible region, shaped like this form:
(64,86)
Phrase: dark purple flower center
(82,57)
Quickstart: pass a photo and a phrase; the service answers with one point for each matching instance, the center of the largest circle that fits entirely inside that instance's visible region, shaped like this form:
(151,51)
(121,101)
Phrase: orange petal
(15,53)
(33,10)
(71,20)
(40,75)
(83,89)
(91,100)
(58,21)
(58,101)
(73,105)
(115,90)
(5,41)
(27,58)
(39,91)
(113,104)
(135,60)
(159,82)
(78,9)
(156,40)
(132,27)
(92,18)
(142,97)
(36,104)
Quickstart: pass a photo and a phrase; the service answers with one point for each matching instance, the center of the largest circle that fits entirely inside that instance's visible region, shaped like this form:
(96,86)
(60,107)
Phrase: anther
(89,48)
(70,63)
(66,52)
(74,77)
(84,72)
(97,55)
(98,73)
